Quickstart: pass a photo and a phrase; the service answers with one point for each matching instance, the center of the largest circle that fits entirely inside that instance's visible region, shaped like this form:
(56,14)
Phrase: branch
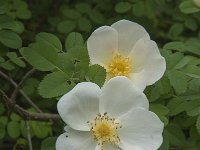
(17,88)
(28,135)
(21,91)
(28,115)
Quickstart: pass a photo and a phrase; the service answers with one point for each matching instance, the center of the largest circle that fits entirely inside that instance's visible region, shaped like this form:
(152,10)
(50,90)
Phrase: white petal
(108,146)
(141,128)
(146,56)
(128,34)
(101,44)
(139,80)
(80,105)
(75,140)
(119,95)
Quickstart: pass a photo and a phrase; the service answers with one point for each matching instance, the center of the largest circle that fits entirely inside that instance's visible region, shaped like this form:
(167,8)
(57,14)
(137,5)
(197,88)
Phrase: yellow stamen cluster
(104,129)
(119,66)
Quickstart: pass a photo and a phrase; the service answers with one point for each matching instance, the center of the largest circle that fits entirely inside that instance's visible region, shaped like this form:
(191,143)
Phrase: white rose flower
(125,49)
(111,118)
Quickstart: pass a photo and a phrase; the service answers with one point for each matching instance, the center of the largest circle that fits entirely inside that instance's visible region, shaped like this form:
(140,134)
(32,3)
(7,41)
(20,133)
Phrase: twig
(14,94)
(28,135)
(22,92)
(28,115)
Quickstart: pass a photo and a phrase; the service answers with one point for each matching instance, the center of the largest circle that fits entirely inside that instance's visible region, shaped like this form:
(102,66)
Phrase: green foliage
(73,39)
(188,7)
(176,135)
(96,74)
(13,129)
(198,124)
(2,131)
(51,37)
(66,26)
(41,129)
(55,84)
(122,7)
(49,143)
(13,57)
(42,56)
(10,39)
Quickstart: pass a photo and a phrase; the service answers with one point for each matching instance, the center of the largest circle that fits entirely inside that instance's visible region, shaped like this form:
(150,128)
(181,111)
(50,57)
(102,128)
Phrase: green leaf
(97,74)
(19,27)
(178,80)
(193,107)
(174,59)
(84,25)
(176,135)
(40,129)
(2,59)
(192,71)
(20,142)
(20,4)
(193,46)
(80,57)
(198,124)
(191,24)
(7,65)
(160,88)
(159,109)
(138,9)
(183,62)
(6,22)
(164,85)
(49,39)
(164,119)
(177,106)
(10,39)
(155,93)
(4,120)
(83,7)
(13,129)
(195,85)
(122,7)
(188,7)
(23,13)
(165,144)
(54,85)
(15,117)
(23,129)
(66,26)
(4,7)
(2,130)
(13,57)
(176,29)
(49,143)
(96,16)
(71,13)
(178,46)
(73,39)
(41,56)
(65,64)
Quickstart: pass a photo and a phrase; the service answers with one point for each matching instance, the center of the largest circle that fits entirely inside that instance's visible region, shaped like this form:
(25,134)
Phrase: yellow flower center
(119,65)
(104,129)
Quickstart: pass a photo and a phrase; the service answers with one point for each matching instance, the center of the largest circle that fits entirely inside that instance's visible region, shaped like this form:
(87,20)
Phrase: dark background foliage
(43,55)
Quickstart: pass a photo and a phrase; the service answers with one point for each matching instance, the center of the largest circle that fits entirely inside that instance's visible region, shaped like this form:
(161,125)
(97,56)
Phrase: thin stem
(14,94)
(22,92)
(26,114)
(28,135)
